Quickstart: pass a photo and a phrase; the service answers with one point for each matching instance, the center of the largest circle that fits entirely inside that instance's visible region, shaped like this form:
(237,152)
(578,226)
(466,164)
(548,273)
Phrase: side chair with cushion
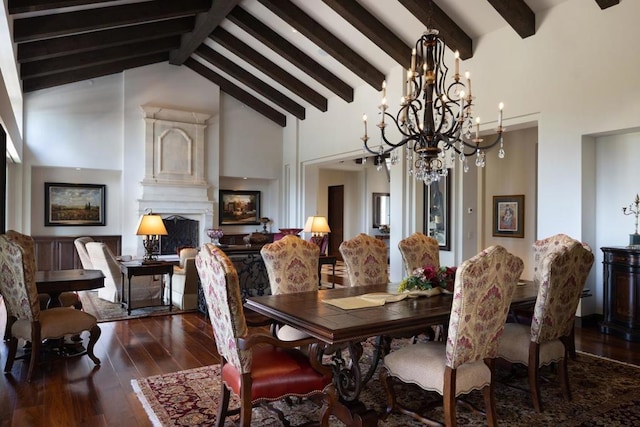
(562,275)
(185,281)
(258,368)
(541,249)
(25,319)
(292,266)
(143,288)
(366,260)
(419,250)
(482,294)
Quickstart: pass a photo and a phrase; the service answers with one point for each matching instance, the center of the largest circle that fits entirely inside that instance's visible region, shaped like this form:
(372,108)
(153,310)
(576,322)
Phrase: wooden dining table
(307,312)
(58,281)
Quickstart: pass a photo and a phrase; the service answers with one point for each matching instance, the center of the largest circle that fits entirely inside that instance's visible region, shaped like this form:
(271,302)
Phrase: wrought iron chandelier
(435,118)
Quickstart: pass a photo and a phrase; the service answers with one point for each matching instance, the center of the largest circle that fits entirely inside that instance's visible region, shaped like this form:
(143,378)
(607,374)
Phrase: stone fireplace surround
(174,183)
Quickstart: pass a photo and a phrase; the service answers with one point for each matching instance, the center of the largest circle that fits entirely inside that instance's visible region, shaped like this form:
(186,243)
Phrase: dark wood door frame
(335,217)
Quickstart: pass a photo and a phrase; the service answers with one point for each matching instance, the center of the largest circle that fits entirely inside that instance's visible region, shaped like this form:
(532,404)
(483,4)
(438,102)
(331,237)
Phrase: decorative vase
(215,234)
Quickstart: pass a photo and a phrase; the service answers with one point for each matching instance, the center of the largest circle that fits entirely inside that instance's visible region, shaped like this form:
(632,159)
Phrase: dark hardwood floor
(74,392)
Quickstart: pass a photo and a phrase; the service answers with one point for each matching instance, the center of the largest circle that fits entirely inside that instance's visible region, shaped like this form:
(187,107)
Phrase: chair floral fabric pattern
(482,293)
(543,247)
(292,265)
(224,303)
(366,260)
(15,262)
(564,273)
(419,250)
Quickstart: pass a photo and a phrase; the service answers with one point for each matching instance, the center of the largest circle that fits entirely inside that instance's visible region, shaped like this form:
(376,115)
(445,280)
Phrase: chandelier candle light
(435,118)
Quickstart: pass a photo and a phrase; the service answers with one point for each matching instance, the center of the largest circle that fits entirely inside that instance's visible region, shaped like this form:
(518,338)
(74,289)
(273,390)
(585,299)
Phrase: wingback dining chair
(541,249)
(483,289)
(258,367)
(25,319)
(419,250)
(365,258)
(66,299)
(562,274)
(292,266)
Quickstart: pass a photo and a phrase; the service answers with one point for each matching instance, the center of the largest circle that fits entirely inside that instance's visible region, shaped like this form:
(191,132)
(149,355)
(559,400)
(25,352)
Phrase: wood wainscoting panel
(59,252)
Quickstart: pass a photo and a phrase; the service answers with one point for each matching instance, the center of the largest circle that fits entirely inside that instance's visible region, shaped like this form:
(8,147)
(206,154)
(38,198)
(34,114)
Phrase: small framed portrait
(508,216)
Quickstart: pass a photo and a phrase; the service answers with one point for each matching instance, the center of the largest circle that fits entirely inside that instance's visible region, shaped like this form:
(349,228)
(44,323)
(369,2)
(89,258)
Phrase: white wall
(575,78)
(97,125)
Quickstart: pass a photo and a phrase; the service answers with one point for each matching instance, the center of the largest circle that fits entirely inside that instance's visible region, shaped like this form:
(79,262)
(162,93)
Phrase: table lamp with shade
(318,227)
(151,226)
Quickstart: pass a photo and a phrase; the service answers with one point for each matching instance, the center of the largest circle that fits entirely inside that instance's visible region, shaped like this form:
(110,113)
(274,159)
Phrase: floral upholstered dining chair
(561,277)
(483,290)
(25,319)
(253,364)
(366,260)
(67,299)
(292,266)
(419,250)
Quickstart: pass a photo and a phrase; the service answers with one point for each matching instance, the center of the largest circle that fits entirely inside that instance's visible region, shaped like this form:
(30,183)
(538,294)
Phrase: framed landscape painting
(239,207)
(74,204)
(508,216)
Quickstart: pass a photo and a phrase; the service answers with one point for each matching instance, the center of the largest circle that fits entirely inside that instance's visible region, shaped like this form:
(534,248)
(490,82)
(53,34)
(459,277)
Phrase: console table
(137,268)
(621,279)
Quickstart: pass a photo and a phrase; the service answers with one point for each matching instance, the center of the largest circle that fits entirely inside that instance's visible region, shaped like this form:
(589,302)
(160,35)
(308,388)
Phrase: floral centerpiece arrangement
(429,277)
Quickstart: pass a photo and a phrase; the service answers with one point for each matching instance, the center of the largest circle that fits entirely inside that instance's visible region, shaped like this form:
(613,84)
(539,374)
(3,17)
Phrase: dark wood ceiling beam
(63,24)
(331,44)
(517,14)
(205,24)
(244,51)
(23,6)
(429,13)
(60,46)
(229,88)
(96,57)
(88,73)
(607,3)
(361,19)
(290,52)
(245,77)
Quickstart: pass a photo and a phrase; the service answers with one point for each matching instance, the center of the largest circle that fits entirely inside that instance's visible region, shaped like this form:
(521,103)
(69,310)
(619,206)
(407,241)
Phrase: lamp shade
(150,225)
(316,224)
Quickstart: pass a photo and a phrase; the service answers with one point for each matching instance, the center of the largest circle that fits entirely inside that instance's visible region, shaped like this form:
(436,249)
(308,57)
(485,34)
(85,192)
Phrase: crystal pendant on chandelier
(435,119)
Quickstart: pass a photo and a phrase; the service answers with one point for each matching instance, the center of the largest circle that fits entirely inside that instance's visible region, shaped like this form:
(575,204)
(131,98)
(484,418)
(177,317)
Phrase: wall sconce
(151,226)
(318,227)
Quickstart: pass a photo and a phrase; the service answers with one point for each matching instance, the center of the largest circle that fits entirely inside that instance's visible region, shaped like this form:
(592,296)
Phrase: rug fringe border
(145,403)
(608,359)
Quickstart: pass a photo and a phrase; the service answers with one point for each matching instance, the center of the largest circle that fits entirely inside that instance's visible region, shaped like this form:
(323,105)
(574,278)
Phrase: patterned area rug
(605,393)
(106,311)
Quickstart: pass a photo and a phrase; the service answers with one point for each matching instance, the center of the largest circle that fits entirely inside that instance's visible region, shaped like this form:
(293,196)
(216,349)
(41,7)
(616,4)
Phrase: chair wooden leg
(489,398)
(563,374)
(245,401)
(35,348)
(94,334)
(330,400)
(387,382)
(223,406)
(449,397)
(13,348)
(534,373)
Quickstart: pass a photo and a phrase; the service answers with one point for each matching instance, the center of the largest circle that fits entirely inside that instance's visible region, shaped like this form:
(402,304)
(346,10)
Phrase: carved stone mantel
(174,180)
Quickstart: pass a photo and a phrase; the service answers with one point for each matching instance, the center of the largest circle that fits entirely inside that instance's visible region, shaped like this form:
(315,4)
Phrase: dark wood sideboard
(59,252)
(621,278)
